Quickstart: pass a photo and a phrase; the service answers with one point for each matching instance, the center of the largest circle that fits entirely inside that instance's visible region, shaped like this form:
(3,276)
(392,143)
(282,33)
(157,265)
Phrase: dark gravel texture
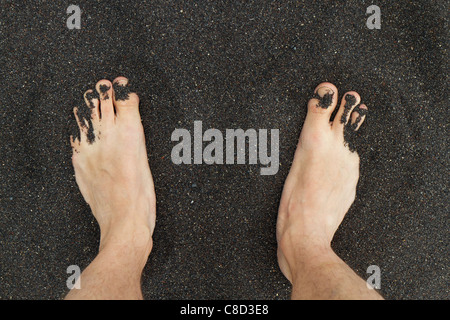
(251,64)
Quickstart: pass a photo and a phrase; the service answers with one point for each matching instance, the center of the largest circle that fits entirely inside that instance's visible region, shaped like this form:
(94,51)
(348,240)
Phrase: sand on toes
(111,163)
(321,184)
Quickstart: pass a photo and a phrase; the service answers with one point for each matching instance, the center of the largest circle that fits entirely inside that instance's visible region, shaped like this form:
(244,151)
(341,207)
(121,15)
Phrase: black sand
(252,65)
(121,92)
(325,101)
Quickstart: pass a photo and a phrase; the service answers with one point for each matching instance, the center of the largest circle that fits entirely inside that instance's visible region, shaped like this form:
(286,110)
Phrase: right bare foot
(321,184)
(111,167)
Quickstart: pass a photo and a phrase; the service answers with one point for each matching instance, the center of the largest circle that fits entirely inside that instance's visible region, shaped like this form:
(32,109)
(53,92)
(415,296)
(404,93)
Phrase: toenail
(361,110)
(350,99)
(121,81)
(121,91)
(104,89)
(325,97)
(322,91)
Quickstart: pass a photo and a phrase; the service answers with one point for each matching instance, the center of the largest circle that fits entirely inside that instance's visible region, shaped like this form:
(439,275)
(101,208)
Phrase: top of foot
(321,184)
(111,164)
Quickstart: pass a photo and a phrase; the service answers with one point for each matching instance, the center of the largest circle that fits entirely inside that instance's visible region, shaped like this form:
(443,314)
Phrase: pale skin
(318,192)
(114,177)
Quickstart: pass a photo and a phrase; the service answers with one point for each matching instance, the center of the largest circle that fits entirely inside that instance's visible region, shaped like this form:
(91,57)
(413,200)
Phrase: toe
(105,91)
(326,93)
(91,98)
(75,144)
(358,116)
(125,101)
(121,80)
(87,132)
(321,106)
(349,102)
(82,125)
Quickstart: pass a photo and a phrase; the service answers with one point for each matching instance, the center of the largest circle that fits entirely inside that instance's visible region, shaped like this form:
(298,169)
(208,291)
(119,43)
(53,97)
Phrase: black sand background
(247,65)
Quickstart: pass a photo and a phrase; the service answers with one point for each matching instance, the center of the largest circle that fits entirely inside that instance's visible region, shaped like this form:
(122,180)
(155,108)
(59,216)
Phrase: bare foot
(321,184)
(111,166)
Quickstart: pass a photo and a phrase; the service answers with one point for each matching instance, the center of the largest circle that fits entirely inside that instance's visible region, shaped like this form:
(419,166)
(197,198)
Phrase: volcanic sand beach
(252,65)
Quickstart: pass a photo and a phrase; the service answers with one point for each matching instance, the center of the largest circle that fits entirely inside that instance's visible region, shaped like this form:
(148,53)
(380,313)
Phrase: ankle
(131,235)
(304,250)
(127,257)
(312,260)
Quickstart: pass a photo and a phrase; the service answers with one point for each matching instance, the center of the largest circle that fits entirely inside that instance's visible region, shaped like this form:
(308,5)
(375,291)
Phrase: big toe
(125,101)
(321,106)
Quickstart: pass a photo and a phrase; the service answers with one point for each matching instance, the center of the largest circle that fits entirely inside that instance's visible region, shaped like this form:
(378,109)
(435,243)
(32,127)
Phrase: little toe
(91,98)
(105,91)
(80,122)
